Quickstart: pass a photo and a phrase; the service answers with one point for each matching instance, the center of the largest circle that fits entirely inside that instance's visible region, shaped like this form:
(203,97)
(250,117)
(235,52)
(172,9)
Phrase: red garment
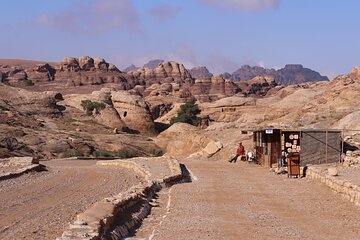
(240,150)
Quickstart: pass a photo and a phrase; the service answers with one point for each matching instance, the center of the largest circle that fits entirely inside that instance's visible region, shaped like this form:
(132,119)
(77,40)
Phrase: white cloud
(243,4)
(94,17)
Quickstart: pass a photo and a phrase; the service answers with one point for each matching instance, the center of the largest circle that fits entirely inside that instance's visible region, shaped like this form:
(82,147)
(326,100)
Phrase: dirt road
(242,201)
(40,205)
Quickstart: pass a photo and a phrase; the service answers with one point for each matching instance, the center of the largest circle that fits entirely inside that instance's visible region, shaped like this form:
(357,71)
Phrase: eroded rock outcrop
(258,86)
(89,71)
(182,140)
(166,72)
(207,89)
(31,102)
(41,73)
(134,111)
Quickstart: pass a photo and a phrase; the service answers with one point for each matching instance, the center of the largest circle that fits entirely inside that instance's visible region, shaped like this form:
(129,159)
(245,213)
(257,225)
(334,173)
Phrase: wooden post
(326,146)
(342,142)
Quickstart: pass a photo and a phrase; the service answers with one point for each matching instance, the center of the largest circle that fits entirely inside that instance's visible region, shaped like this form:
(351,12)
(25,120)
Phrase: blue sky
(222,35)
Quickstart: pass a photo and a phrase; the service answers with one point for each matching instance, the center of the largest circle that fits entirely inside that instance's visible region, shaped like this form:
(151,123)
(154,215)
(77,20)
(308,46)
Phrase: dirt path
(241,201)
(40,205)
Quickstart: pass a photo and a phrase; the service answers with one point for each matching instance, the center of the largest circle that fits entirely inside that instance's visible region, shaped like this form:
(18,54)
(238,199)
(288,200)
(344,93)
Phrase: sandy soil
(245,201)
(40,205)
(351,174)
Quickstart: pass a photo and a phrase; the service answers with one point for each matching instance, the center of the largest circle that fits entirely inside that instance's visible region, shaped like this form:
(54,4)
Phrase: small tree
(188,113)
(90,106)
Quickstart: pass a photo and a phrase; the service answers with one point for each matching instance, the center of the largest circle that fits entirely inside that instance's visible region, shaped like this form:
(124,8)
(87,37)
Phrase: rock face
(200,72)
(290,74)
(182,140)
(166,72)
(41,73)
(258,86)
(31,102)
(214,88)
(296,73)
(89,71)
(247,73)
(133,111)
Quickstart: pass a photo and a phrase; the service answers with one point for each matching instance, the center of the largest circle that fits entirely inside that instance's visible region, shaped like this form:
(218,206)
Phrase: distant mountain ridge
(290,74)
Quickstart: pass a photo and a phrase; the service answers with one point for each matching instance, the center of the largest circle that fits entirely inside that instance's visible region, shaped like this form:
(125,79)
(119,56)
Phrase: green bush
(157,152)
(90,106)
(28,82)
(188,113)
(121,153)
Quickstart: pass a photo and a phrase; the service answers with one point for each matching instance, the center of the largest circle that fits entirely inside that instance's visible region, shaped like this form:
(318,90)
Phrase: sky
(221,34)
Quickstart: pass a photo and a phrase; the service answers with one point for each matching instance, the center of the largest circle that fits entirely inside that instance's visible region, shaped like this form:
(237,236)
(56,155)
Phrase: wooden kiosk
(296,147)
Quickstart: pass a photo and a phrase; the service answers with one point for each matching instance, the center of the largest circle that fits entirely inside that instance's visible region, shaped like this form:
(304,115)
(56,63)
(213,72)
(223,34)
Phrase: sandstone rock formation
(208,89)
(182,140)
(107,116)
(200,72)
(166,72)
(41,73)
(89,71)
(259,85)
(31,102)
(134,111)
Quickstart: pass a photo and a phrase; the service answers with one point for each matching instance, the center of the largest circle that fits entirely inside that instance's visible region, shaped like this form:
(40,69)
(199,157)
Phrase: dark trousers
(234,158)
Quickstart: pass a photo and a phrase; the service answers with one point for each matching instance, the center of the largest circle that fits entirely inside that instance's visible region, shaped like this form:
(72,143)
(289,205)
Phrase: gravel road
(245,201)
(40,205)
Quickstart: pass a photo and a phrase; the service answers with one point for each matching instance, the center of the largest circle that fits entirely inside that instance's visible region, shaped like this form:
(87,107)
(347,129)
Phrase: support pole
(326,146)
(342,141)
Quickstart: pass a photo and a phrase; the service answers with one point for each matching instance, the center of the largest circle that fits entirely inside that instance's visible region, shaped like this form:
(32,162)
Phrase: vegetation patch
(28,82)
(90,106)
(71,153)
(121,153)
(188,113)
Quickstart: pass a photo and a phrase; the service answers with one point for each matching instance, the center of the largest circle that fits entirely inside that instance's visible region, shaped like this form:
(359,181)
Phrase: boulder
(332,171)
(134,111)
(212,148)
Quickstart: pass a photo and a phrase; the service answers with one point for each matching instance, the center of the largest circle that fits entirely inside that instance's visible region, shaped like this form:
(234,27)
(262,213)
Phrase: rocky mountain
(246,73)
(153,63)
(296,73)
(290,74)
(131,68)
(200,72)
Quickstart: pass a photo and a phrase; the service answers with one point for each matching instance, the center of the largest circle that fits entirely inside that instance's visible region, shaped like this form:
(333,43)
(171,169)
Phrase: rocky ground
(245,201)
(40,205)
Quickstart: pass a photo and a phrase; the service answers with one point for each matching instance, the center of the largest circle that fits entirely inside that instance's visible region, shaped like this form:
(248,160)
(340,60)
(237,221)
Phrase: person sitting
(250,156)
(240,151)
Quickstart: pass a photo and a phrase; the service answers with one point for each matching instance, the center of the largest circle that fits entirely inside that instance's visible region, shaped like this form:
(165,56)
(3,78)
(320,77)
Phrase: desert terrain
(114,165)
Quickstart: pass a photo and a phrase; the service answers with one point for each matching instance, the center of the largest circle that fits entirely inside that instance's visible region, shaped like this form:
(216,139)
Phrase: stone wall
(116,216)
(347,189)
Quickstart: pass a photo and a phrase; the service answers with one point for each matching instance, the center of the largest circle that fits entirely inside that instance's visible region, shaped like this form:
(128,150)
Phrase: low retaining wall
(347,189)
(23,164)
(115,217)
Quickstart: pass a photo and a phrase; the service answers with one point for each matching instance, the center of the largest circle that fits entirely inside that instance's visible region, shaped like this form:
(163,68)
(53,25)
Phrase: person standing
(240,151)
